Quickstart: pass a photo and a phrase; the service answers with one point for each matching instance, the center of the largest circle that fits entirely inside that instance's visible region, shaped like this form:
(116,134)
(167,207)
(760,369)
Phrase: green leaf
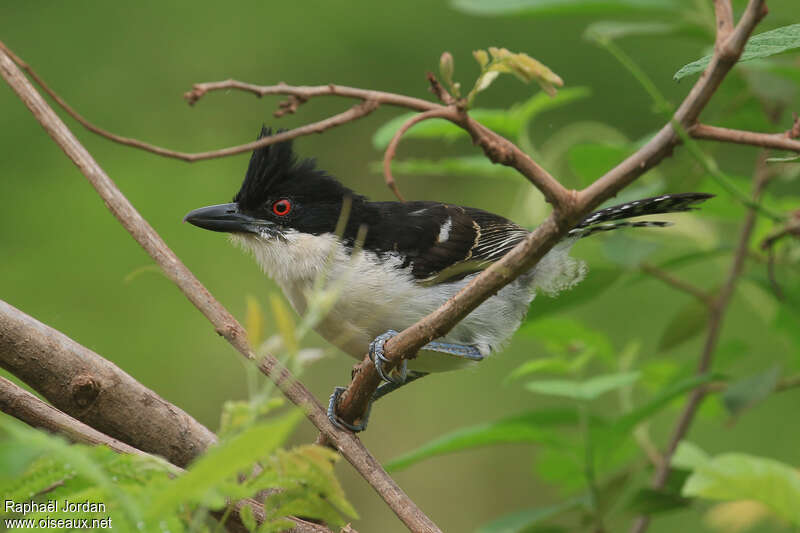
(468,165)
(223,462)
(689,456)
(651,501)
(508,122)
(520,521)
(764,44)
(739,476)
(630,420)
(566,337)
(559,7)
(553,365)
(788,159)
(534,426)
(688,322)
(613,29)
(747,392)
(589,389)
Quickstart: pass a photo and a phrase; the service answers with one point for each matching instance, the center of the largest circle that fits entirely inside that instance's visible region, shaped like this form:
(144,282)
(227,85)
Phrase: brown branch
(354,401)
(719,306)
(94,390)
(392,148)
(778,141)
(724,16)
(21,404)
(225,324)
(684,286)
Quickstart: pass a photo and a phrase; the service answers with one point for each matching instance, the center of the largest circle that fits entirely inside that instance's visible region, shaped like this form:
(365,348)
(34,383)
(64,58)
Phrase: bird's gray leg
(379,393)
(376,354)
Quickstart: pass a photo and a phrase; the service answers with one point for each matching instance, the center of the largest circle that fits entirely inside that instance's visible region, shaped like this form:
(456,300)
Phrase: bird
(396,262)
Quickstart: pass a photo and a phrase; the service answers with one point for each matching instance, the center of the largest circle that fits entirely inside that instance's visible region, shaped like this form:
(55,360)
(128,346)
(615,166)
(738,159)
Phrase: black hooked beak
(228,218)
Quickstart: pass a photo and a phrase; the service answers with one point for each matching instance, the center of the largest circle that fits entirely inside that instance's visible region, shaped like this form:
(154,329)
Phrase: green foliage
(687,323)
(589,389)
(144,493)
(564,337)
(607,29)
(747,392)
(521,521)
(501,61)
(534,426)
(510,122)
(739,476)
(762,45)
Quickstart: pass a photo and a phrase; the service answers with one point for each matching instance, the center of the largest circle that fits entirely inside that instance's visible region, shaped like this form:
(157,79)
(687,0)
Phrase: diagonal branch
(225,324)
(701,295)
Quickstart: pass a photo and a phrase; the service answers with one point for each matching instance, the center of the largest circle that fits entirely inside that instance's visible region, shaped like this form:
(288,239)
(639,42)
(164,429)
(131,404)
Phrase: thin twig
(673,281)
(717,313)
(225,324)
(391,149)
(778,141)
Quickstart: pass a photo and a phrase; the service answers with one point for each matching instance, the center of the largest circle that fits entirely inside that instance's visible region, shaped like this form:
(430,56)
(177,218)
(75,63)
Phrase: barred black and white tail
(668,203)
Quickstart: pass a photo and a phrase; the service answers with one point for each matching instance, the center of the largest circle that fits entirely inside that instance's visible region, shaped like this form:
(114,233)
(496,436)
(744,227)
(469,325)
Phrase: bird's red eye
(282,207)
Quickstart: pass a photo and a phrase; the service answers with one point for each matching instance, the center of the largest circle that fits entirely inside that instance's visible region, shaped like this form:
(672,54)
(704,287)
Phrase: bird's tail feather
(668,203)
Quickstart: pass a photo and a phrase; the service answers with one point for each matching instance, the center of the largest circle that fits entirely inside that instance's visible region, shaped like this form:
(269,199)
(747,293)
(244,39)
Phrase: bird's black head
(279,192)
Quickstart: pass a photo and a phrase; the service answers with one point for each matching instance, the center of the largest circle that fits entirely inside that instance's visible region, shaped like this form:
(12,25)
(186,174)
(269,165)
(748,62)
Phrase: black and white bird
(414,256)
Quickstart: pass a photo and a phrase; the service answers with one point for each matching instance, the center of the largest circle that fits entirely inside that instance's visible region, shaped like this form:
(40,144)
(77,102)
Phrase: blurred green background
(124,66)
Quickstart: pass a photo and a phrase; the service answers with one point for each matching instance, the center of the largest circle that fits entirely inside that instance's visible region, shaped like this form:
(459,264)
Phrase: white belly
(374,295)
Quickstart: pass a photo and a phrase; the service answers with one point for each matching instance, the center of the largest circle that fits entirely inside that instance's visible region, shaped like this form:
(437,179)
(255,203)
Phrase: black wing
(441,242)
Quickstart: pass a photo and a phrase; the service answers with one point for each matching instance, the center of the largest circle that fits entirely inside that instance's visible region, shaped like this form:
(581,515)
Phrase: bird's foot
(380,360)
(338,422)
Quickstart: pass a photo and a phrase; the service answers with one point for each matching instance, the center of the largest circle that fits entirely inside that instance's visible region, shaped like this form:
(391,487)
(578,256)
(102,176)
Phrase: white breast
(376,295)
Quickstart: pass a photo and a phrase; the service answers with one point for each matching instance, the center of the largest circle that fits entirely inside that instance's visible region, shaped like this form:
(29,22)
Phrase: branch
(717,313)
(779,141)
(724,15)
(684,286)
(94,390)
(392,147)
(227,326)
(23,405)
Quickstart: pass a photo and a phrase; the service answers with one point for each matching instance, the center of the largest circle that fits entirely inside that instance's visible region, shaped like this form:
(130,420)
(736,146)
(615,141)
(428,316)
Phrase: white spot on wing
(444,231)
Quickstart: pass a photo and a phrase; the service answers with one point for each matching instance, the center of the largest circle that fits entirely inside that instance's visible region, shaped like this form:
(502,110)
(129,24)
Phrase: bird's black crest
(275,170)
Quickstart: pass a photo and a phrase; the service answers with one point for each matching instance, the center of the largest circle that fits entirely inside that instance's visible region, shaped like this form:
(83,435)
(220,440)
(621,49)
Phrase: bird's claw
(338,422)
(376,354)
